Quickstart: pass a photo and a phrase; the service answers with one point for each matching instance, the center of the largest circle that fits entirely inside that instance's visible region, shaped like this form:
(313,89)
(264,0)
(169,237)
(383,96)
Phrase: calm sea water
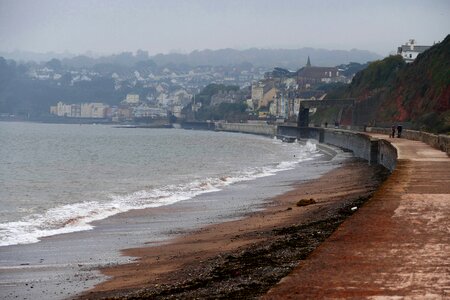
(58,178)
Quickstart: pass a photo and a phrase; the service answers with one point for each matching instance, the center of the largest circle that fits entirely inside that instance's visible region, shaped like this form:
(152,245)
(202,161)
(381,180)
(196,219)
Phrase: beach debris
(354,208)
(305,202)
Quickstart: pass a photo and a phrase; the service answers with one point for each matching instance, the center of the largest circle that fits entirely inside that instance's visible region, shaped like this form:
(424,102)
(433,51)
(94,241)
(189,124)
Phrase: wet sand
(62,266)
(244,258)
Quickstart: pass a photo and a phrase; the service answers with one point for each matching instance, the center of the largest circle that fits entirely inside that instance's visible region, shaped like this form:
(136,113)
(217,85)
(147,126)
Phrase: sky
(164,26)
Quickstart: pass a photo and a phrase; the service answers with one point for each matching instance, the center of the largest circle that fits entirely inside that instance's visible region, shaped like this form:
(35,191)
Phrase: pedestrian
(392,131)
(399,131)
(326,124)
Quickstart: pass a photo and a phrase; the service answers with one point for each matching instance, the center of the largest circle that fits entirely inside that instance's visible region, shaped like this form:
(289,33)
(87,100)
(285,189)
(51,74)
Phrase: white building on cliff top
(410,50)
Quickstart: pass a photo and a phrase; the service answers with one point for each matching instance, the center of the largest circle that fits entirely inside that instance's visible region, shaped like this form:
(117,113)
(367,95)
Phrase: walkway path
(397,245)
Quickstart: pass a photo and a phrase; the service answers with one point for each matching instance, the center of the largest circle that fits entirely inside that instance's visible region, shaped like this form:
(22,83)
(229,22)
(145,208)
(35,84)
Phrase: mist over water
(58,178)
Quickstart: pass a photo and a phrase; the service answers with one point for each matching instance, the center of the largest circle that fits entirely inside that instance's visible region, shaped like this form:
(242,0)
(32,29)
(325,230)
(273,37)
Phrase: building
(93,110)
(176,110)
(132,99)
(99,110)
(309,75)
(123,113)
(410,50)
(250,106)
(228,97)
(257,93)
(84,110)
(269,95)
(263,93)
(75,110)
(64,110)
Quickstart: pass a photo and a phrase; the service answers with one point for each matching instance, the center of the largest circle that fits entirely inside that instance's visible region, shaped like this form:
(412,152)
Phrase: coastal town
(267,95)
(276,95)
(255,149)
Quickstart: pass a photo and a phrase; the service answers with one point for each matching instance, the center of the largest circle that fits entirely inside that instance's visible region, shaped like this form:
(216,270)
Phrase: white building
(93,110)
(176,111)
(61,109)
(132,99)
(410,50)
(85,110)
(257,93)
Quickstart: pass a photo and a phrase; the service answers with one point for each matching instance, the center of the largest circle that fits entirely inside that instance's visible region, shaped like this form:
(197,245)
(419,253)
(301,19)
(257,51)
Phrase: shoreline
(245,257)
(65,265)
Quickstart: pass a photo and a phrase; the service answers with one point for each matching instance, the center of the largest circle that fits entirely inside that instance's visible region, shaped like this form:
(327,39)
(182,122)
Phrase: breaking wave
(79,216)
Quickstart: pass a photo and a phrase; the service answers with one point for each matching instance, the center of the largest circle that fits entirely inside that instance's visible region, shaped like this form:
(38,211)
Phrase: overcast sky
(162,26)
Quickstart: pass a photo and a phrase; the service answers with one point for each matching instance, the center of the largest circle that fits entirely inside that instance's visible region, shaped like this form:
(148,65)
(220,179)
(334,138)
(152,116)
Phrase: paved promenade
(396,246)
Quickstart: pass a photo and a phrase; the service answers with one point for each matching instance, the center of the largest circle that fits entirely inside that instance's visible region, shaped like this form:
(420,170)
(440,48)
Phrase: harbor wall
(256,128)
(197,125)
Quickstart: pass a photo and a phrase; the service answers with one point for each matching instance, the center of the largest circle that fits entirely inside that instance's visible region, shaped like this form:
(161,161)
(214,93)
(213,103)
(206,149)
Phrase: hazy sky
(161,26)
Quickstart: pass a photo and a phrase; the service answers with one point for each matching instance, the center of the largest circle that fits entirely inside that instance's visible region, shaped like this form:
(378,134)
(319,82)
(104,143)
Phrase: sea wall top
(441,141)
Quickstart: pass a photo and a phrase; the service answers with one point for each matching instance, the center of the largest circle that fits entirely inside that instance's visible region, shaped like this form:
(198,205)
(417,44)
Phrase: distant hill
(392,91)
(287,58)
(25,56)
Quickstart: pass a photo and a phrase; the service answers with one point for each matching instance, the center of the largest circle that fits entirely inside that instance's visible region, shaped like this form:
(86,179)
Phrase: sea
(62,178)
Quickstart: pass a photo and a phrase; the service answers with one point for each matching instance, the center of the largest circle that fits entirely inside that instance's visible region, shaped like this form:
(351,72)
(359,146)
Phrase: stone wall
(441,142)
(198,125)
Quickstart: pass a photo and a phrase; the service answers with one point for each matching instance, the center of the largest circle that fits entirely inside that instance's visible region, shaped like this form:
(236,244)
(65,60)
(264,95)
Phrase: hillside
(268,58)
(286,58)
(391,91)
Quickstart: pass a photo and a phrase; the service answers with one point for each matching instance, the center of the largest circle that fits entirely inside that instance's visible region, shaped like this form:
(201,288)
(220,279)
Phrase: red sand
(165,264)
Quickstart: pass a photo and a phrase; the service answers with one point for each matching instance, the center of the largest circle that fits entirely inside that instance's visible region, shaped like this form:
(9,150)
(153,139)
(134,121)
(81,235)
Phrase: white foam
(79,216)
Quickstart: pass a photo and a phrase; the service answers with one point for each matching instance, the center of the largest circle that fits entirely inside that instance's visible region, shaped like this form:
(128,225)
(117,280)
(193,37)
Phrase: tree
(54,64)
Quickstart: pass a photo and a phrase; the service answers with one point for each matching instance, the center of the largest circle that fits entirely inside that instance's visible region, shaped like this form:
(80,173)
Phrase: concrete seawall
(374,150)
(258,128)
(440,142)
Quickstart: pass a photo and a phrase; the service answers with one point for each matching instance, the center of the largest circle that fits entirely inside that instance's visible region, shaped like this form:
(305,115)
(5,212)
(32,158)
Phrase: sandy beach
(244,258)
(62,266)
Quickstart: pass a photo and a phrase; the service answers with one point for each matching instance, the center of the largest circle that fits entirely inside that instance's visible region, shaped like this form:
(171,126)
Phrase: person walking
(399,131)
(392,131)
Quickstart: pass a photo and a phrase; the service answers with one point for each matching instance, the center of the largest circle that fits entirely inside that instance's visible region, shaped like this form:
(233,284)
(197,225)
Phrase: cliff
(392,91)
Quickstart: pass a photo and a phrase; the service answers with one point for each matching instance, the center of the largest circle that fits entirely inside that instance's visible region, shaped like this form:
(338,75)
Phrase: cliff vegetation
(391,91)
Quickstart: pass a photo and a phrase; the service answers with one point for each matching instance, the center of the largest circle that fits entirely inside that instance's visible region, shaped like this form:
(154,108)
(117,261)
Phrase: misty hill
(27,56)
(286,58)
(291,59)
(391,91)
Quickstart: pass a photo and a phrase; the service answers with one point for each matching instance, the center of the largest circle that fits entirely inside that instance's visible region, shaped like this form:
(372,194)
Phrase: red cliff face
(393,91)
(443,104)
(402,115)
